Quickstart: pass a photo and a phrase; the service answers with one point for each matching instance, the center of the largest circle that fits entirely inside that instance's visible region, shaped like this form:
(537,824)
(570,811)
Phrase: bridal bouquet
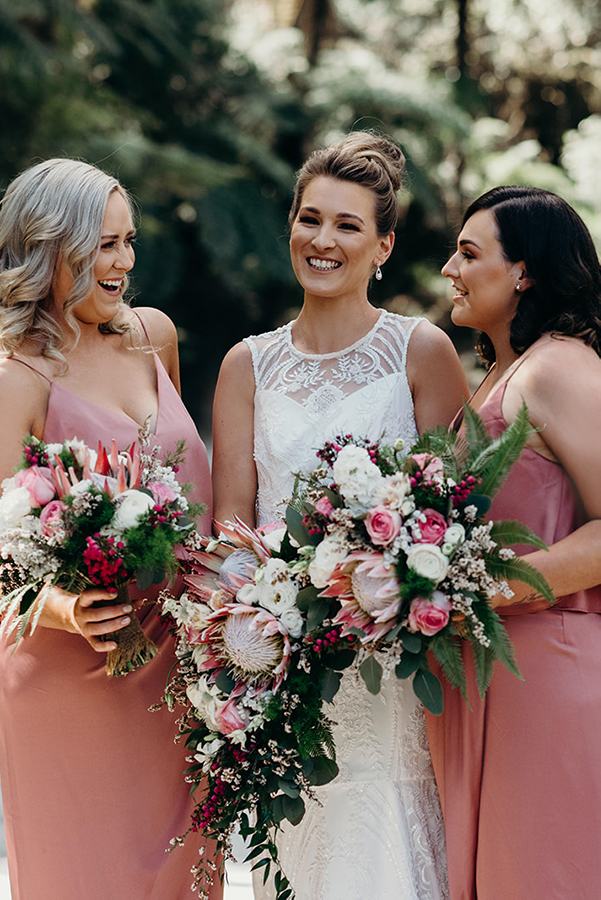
(78,518)
(400,545)
(255,666)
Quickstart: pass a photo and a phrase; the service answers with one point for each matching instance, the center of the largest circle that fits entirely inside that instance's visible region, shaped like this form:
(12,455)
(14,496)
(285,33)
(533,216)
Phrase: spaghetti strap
(33,368)
(141,321)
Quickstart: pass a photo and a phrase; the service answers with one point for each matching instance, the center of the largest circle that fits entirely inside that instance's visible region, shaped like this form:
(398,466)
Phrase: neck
(327,326)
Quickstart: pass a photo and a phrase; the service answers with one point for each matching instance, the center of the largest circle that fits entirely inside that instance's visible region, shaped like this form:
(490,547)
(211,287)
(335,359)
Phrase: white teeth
(324,264)
(115,284)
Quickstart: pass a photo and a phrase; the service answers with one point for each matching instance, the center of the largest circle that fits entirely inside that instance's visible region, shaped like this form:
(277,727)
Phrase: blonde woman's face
(115,259)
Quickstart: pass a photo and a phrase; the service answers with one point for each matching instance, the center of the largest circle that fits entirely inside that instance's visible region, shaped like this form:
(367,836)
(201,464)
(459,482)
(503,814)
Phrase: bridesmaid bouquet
(77,518)
(401,556)
(255,666)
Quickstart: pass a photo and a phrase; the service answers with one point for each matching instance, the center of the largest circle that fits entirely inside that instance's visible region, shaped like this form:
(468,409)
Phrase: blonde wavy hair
(52,213)
(364,158)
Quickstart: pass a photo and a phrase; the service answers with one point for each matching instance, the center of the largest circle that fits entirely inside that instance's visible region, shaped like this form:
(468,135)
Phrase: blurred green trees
(204,109)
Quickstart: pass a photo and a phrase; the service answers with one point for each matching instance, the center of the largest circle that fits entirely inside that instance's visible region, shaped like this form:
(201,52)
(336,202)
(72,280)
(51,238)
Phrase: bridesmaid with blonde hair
(92,784)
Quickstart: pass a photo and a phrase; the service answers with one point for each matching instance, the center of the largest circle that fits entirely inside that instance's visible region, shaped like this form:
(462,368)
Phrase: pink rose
(162,493)
(324,507)
(39,483)
(51,518)
(383,524)
(428,616)
(430,465)
(228,718)
(433,530)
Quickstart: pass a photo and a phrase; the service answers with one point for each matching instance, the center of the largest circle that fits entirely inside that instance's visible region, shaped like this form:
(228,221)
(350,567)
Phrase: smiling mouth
(323,265)
(112,287)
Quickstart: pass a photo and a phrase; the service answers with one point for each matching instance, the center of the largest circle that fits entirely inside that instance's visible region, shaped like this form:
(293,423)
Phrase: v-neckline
(122,415)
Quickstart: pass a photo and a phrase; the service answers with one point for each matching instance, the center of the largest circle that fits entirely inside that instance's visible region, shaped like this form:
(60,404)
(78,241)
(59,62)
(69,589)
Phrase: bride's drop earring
(378,272)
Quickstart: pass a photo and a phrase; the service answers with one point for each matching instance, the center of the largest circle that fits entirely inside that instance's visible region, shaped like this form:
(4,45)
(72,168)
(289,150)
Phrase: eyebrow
(105,237)
(465,241)
(342,215)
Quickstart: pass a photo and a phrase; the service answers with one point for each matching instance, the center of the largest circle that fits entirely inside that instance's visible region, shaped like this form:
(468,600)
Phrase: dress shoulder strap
(144,329)
(29,366)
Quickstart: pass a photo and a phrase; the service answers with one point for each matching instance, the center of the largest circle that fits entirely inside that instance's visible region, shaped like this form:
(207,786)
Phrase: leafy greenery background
(205,109)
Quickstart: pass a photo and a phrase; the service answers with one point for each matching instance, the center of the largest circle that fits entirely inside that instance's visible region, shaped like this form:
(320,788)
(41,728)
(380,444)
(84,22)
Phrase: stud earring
(378,272)
(518,286)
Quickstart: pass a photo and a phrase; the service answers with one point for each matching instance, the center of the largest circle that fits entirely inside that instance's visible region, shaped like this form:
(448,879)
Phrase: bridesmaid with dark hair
(517,772)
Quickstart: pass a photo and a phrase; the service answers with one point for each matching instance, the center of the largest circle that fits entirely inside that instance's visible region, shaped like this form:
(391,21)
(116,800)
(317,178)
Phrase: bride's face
(334,244)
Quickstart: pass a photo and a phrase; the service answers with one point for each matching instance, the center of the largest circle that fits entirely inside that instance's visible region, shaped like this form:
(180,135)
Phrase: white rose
(454,535)
(428,561)
(132,505)
(292,621)
(357,477)
(14,506)
(327,556)
(276,590)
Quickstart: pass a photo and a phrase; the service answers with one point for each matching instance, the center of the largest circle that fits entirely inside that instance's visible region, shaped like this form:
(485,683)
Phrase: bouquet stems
(134,649)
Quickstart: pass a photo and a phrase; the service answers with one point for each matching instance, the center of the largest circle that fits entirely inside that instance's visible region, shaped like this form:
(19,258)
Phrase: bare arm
(234,469)
(437,381)
(561,384)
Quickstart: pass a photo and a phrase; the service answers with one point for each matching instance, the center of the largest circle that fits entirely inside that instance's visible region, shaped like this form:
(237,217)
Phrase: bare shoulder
(237,365)
(161,330)
(429,339)
(23,408)
(561,366)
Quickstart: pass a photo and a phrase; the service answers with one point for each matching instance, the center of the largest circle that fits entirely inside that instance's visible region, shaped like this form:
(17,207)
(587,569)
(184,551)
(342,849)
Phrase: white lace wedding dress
(379,834)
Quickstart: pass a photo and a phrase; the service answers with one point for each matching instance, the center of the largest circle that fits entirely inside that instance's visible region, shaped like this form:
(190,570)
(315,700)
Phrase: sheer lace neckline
(337,353)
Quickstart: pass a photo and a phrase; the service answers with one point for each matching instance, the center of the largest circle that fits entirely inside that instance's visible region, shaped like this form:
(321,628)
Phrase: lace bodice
(302,400)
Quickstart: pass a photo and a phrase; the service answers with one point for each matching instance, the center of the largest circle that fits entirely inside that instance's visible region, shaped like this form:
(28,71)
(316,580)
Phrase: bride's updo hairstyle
(51,214)
(541,229)
(366,159)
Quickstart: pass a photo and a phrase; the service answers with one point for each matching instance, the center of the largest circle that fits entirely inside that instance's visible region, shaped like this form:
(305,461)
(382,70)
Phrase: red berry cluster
(328,641)
(34,456)
(104,566)
(202,815)
(460,492)
(160,514)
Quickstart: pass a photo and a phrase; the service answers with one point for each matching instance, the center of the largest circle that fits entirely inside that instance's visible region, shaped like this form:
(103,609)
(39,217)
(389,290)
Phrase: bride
(344,366)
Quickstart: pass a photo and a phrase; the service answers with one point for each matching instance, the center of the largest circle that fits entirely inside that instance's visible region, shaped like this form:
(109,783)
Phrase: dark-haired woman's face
(485,295)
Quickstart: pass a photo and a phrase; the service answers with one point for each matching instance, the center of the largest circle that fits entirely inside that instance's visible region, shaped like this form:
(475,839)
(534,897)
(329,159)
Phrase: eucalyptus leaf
(429,690)
(329,685)
(296,529)
(318,611)
(306,596)
(371,673)
(276,806)
(342,659)
(407,665)
(294,809)
(324,770)
(412,641)
(289,788)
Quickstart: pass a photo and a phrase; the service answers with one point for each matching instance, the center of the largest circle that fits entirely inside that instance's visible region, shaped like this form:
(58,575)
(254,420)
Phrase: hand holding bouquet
(77,518)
